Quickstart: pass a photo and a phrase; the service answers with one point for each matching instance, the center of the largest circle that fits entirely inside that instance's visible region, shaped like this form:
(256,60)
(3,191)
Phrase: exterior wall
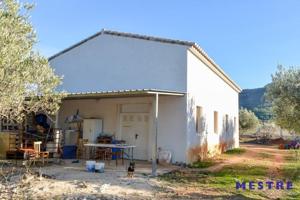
(172,123)
(106,109)
(209,91)
(172,126)
(109,62)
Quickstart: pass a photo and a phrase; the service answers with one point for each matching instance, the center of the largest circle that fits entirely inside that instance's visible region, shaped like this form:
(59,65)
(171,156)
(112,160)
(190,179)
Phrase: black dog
(131,169)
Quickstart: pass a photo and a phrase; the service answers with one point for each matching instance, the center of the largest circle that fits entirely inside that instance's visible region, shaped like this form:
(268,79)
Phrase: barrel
(69,152)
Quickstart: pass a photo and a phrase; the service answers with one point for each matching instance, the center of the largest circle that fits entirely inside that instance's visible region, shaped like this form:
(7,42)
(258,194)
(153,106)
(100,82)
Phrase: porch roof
(122,93)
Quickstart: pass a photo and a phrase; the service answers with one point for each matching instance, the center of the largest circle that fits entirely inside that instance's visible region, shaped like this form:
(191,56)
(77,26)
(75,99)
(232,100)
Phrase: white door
(92,129)
(134,129)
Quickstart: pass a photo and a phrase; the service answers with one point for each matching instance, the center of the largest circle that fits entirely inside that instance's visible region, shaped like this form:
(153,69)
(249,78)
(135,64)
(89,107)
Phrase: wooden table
(27,152)
(124,147)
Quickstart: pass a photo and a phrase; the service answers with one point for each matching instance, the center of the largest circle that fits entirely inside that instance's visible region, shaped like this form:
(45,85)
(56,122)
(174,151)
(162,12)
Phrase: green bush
(202,164)
(235,151)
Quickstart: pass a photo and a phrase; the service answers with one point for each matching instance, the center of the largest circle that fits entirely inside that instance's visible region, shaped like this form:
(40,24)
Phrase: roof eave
(124,34)
(200,53)
(122,93)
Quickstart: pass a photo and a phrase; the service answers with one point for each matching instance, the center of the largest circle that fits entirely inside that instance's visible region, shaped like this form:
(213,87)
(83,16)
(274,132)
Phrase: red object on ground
(281,146)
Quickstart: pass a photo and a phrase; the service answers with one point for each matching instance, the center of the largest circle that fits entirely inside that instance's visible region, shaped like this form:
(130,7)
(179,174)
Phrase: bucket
(90,166)
(99,167)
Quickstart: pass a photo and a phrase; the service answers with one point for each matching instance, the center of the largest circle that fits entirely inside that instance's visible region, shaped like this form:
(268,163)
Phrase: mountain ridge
(254,100)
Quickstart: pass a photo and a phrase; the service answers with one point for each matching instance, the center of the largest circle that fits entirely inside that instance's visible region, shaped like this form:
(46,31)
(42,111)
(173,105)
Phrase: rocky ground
(69,180)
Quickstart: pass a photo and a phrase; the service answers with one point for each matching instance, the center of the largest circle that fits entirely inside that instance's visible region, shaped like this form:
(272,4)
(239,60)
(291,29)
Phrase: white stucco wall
(209,91)
(172,126)
(171,121)
(109,62)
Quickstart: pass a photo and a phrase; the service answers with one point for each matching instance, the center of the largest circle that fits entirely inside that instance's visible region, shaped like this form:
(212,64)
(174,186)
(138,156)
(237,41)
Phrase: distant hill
(254,100)
(251,98)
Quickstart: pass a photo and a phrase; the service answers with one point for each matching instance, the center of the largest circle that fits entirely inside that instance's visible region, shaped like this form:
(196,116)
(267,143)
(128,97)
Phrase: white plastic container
(52,147)
(165,157)
(71,137)
(99,167)
(90,165)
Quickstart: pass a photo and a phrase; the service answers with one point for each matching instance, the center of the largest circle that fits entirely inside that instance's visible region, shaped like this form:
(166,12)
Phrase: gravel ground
(71,181)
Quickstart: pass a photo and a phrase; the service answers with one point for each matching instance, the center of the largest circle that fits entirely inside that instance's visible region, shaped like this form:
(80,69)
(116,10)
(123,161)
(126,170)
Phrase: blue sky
(248,39)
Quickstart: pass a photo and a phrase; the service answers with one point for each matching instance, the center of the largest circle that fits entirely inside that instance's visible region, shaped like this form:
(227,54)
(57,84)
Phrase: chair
(37,154)
(101,153)
(108,154)
(118,154)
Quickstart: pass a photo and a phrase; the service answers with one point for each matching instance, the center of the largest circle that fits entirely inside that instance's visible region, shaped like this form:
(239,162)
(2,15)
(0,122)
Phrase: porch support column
(154,148)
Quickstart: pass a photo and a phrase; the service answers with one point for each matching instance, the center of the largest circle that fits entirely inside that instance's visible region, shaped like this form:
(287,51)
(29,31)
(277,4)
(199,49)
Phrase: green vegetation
(284,94)
(224,180)
(235,151)
(202,164)
(265,155)
(279,100)
(263,112)
(248,121)
(227,177)
(27,82)
(254,100)
(291,171)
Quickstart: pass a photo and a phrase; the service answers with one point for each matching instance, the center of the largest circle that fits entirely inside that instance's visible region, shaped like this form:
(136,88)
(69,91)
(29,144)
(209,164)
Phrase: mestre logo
(260,185)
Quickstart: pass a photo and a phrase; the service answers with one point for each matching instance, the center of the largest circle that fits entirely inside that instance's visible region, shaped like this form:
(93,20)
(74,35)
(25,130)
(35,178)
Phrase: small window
(198,118)
(216,122)
(226,123)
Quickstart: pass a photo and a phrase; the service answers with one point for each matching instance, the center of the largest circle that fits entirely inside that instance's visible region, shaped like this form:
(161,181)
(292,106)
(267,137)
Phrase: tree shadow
(197,144)
(226,137)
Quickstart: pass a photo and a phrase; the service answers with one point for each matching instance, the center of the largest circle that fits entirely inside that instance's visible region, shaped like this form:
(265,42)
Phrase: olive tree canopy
(247,121)
(27,82)
(284,94)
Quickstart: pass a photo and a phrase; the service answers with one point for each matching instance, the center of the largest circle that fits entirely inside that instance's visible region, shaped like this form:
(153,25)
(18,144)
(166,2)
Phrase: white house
(141,86)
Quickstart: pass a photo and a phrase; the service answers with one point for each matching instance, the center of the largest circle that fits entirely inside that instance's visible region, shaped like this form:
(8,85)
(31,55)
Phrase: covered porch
(144,118)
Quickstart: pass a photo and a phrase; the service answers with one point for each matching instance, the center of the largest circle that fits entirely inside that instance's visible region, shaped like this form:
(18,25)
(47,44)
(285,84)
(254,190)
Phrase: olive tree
(284,94)
(27,82)
(247,120)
